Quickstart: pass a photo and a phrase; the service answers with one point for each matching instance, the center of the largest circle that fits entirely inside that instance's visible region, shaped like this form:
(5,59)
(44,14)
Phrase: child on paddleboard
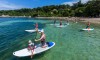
(31,47)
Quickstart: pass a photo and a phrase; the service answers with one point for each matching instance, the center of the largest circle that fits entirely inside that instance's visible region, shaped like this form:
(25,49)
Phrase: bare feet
(44,46)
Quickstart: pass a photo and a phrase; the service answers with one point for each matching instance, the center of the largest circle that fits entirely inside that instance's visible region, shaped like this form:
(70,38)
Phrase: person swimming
(88,25)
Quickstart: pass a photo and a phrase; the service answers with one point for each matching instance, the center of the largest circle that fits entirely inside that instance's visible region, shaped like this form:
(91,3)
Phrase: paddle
(37,40)
(31,47)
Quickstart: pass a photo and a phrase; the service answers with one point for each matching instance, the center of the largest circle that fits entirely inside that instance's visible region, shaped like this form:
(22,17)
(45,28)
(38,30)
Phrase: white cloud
(69,3)
(84,1)
(4,5)
(74,1)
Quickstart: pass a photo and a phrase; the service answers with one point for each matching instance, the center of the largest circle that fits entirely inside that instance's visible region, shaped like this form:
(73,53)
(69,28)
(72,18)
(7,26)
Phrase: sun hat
(30,41)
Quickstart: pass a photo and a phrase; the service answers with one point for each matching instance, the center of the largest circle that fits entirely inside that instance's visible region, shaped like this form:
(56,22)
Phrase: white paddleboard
(25,52)
(76,22)
(54,24)
(33,30)
(67,23)
(88,29)
(61,26)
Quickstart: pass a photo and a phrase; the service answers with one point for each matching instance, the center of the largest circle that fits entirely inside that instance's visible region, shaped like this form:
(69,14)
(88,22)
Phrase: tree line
(78,9)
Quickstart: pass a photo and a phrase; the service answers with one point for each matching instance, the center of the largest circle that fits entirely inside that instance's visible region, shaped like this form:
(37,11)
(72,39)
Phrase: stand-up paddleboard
(67,23)
(89,29)
(39,49)
(54,24)
(61,26)
(33,30)
(75,22)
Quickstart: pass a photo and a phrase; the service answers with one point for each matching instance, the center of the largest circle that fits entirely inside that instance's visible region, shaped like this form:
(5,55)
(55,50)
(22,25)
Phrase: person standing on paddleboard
(60,22)
(54,22)
(36,26)
(88,25)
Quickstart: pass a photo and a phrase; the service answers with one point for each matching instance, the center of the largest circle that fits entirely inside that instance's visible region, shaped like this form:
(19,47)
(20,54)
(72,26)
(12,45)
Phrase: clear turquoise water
(71,43)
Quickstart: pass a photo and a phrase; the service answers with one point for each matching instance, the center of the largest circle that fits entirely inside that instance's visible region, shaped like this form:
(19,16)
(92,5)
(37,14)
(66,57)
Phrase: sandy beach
(74,19)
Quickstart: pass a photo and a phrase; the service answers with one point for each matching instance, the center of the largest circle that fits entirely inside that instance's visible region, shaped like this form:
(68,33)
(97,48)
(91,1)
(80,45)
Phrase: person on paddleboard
(31,47)
(36,26)
(67,22)
(60,22)
(88,25)
(54,21)
(42,38)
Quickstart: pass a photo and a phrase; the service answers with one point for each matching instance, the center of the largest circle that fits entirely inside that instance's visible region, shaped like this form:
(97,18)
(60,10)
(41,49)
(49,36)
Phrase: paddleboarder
(36,26)
(54,22)
(88,25)
(42,38)
(60,22)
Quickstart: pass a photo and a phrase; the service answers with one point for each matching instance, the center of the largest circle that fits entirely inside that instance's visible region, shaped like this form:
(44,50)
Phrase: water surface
(71,42)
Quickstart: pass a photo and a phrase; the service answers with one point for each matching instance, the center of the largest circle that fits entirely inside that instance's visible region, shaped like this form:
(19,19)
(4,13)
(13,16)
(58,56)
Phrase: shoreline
(74,19)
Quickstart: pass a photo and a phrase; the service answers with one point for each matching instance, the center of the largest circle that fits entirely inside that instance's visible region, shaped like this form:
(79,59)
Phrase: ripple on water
(71,44)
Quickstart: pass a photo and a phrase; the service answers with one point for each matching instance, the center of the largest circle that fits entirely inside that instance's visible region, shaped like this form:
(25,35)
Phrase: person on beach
(42,38)
(36,26)
(31,47)
(88,25)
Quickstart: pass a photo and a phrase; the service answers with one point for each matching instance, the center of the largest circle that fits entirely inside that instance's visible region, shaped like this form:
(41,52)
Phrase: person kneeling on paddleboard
(88,25)
(42,39)
(31,47)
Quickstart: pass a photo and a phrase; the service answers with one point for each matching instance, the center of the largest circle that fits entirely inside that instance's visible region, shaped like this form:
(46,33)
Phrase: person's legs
(43,44)
(36,29)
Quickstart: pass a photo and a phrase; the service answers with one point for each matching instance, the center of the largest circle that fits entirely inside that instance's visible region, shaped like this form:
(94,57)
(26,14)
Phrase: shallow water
(71,42)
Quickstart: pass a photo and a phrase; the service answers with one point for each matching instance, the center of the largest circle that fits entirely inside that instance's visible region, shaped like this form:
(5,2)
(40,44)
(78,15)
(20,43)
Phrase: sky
(18,4)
